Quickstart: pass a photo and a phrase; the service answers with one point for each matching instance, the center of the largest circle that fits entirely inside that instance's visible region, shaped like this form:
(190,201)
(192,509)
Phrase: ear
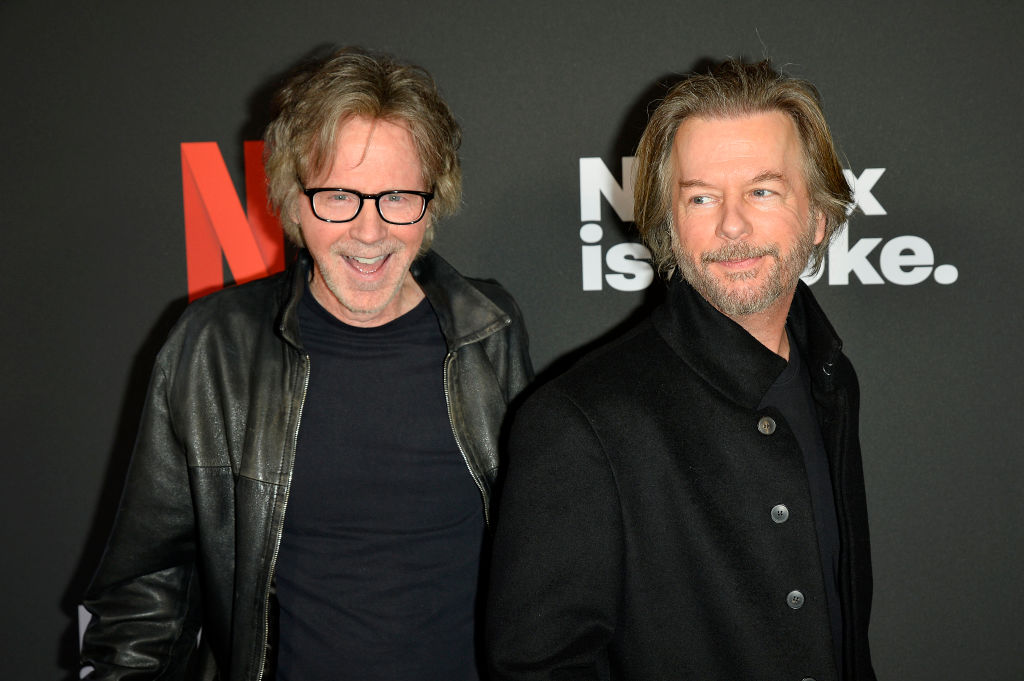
(819,227)
(293,210)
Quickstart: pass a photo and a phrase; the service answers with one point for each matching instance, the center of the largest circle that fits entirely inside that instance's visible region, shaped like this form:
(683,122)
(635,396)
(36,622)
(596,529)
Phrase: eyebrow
(769,176)
(764,176)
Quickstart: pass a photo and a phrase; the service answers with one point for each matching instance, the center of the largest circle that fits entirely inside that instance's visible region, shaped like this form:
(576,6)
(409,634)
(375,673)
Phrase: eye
(700,200)
(762,193)
(337,197)
(396,199)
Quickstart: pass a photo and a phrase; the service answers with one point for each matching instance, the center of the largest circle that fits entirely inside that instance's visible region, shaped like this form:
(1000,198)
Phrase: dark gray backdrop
(98,97)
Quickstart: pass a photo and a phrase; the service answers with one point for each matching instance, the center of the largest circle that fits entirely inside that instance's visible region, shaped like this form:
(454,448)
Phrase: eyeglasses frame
(427,196)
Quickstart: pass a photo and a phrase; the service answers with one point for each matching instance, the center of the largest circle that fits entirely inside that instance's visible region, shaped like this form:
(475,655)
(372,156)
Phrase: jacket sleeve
(556,566)
(144,597)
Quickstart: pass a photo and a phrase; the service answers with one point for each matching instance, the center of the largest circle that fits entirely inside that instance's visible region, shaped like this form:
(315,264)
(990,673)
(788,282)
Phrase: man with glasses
(311,484)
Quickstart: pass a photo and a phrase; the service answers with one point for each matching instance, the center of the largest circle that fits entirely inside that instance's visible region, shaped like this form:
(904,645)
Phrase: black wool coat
(635,537)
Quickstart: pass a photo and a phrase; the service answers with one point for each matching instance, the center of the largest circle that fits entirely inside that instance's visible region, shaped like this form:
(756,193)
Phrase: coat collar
(465,314)
(725,355)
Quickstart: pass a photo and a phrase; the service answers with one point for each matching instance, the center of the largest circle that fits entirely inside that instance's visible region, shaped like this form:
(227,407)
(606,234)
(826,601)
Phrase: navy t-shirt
(378,568)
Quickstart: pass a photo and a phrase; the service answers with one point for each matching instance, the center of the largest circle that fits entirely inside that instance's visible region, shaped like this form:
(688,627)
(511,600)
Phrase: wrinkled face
(362,266)
(742,219)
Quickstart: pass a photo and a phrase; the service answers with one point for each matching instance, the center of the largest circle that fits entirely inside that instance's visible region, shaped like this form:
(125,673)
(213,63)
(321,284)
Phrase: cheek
(691,234)
(318,234)
(414,238)
(787,224)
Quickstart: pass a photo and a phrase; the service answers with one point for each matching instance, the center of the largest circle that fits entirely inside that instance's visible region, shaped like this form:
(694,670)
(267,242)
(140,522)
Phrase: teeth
(366,261)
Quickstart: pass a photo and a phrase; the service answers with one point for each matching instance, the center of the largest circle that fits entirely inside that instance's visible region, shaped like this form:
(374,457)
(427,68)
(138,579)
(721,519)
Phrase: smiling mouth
(739,262)
(738,256)
(367,265)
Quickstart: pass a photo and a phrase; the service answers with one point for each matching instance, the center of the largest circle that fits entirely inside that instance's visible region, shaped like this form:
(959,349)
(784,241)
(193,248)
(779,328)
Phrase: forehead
(375,150)
(756,143)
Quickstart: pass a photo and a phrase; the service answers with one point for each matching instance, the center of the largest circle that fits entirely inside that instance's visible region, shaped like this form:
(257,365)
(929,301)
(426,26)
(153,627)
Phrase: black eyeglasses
(397,207)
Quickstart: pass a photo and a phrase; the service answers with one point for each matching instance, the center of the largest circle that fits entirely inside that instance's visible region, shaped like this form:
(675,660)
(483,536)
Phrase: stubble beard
(782,277)
(346,293)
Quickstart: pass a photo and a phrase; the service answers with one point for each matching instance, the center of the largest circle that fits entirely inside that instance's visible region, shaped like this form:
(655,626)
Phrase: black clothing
(791,395)
(196,537)
(377,573)
(636,537)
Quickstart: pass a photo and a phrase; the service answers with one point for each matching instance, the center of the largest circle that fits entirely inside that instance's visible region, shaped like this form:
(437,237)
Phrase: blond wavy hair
(299,142)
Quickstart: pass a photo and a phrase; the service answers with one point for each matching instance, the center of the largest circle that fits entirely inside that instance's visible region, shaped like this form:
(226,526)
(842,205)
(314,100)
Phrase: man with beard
(309,491)
(688,502)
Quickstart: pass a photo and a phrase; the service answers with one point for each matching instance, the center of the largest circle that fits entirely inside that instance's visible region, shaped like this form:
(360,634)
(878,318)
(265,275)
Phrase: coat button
(807,678)
(826,368)
(766,425)
(795,600)
(780,513)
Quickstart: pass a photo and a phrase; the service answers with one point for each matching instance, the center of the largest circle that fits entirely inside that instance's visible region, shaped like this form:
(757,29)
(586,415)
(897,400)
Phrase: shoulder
(622,369)
(253,300)
(497,294)
(464,305)
(253,296)
(605,400)
(433,271)
(233,315)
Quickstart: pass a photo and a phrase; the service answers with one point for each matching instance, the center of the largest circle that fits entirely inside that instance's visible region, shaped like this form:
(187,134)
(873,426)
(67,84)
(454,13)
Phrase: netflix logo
(218,229)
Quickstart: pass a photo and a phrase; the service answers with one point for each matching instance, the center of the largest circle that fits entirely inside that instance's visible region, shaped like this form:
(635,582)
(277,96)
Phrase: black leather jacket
(196,536)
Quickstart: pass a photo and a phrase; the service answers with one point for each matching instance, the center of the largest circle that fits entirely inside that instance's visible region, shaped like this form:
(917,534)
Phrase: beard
(361,298)
(739,294)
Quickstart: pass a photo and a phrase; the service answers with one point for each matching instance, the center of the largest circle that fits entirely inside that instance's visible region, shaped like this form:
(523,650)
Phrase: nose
(735,220)
(368,226)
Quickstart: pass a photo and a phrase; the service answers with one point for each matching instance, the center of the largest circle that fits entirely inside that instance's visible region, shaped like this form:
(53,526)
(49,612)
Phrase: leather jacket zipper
(280,530)
(451,420)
